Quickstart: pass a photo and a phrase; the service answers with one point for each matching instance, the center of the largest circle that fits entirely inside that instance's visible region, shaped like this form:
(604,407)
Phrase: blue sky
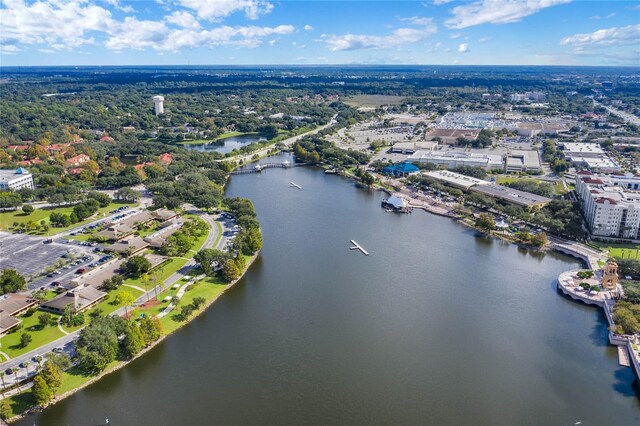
(241,32)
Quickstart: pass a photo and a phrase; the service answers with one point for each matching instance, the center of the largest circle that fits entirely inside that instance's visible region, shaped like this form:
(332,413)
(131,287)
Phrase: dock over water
(357,246)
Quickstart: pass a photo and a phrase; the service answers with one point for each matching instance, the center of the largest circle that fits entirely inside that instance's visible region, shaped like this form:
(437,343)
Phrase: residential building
(610,204)
(13,180)
(77,160)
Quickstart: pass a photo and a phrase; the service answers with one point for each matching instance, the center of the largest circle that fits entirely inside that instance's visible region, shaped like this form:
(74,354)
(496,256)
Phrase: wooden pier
(357,246)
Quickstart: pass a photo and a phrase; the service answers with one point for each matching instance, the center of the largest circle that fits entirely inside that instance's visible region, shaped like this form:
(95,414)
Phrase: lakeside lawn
(621,251)
(208,288)
(7,219)
(40,336)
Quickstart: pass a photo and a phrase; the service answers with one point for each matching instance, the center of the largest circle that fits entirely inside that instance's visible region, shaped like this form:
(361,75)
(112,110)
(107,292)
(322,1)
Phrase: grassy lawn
(8,218)
(11,342)
(507,179)
(558,187)
(621,251)
(208,288)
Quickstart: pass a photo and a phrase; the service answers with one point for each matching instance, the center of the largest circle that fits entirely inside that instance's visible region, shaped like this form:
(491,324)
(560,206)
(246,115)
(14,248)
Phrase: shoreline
(122,364)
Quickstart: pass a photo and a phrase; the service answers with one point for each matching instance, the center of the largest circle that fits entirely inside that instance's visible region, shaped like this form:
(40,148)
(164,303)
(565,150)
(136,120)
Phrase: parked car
(80,271)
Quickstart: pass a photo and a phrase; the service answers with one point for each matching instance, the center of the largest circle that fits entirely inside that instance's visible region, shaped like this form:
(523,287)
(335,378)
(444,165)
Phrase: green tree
(136,266)
(133,341)
(151,329)
(44,319)
(207,258)
(230,270)
(41,391)
(5,409)
(11,281)
(485,222)
(539,239)
(126,195)
(52,375)
(27,209)
(25,339)
(198,302)
(125,299)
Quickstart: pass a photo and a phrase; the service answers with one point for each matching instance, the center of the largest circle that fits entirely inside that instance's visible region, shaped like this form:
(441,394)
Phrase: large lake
(437,326)
(234,142)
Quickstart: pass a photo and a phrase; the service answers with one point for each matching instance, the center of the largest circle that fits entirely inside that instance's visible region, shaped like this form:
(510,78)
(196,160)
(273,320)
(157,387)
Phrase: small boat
(294,185)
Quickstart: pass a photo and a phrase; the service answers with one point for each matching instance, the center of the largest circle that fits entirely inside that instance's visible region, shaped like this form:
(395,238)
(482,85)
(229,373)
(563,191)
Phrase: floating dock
(623,357)
(357,246)
(294,185)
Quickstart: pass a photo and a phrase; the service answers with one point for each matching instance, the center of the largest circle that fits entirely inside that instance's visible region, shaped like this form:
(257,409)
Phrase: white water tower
(159,103)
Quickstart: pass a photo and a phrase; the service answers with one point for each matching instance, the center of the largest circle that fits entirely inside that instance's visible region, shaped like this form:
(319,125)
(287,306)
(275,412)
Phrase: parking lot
(27,254)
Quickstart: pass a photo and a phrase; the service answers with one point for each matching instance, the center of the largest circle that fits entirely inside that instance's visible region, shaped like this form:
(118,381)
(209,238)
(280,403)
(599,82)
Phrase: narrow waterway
(437,326)
(234,142)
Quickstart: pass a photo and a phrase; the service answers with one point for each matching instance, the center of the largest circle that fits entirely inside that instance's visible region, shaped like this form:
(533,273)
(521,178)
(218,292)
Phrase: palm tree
(2,378)
(26,366)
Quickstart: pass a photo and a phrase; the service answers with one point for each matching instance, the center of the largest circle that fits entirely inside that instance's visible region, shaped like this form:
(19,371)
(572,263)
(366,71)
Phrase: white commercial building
(522,160)
(411,147)
(451,160)
(590,156)
(610,204)
(13,180)
(455,179)
(159,104)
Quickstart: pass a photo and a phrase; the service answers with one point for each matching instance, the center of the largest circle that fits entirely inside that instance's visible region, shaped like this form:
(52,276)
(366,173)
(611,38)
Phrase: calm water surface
(234,142)
(437,326)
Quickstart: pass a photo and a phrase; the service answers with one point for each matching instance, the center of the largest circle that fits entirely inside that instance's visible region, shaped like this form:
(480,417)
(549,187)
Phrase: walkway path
(135,287)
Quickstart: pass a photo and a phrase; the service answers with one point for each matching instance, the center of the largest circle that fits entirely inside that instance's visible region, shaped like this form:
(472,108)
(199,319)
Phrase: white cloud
(463,47)
(116,4)
(398,37)
(48,51)
(139,35)
(183,19)
(611,15)
(56,23)
(484,39)
(616,36)
(215,10)
(456,35)
(439,2)
(68,24)
(418,20)
(308,28)
(9,49)
(496,11)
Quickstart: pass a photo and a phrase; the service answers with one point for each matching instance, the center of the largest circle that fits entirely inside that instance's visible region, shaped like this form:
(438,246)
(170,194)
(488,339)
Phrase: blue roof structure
(400,169)
(21,171)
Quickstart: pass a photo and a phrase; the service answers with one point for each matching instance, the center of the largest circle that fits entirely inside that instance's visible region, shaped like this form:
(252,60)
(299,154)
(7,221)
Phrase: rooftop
(7,174)
(511,195)
(455,179)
